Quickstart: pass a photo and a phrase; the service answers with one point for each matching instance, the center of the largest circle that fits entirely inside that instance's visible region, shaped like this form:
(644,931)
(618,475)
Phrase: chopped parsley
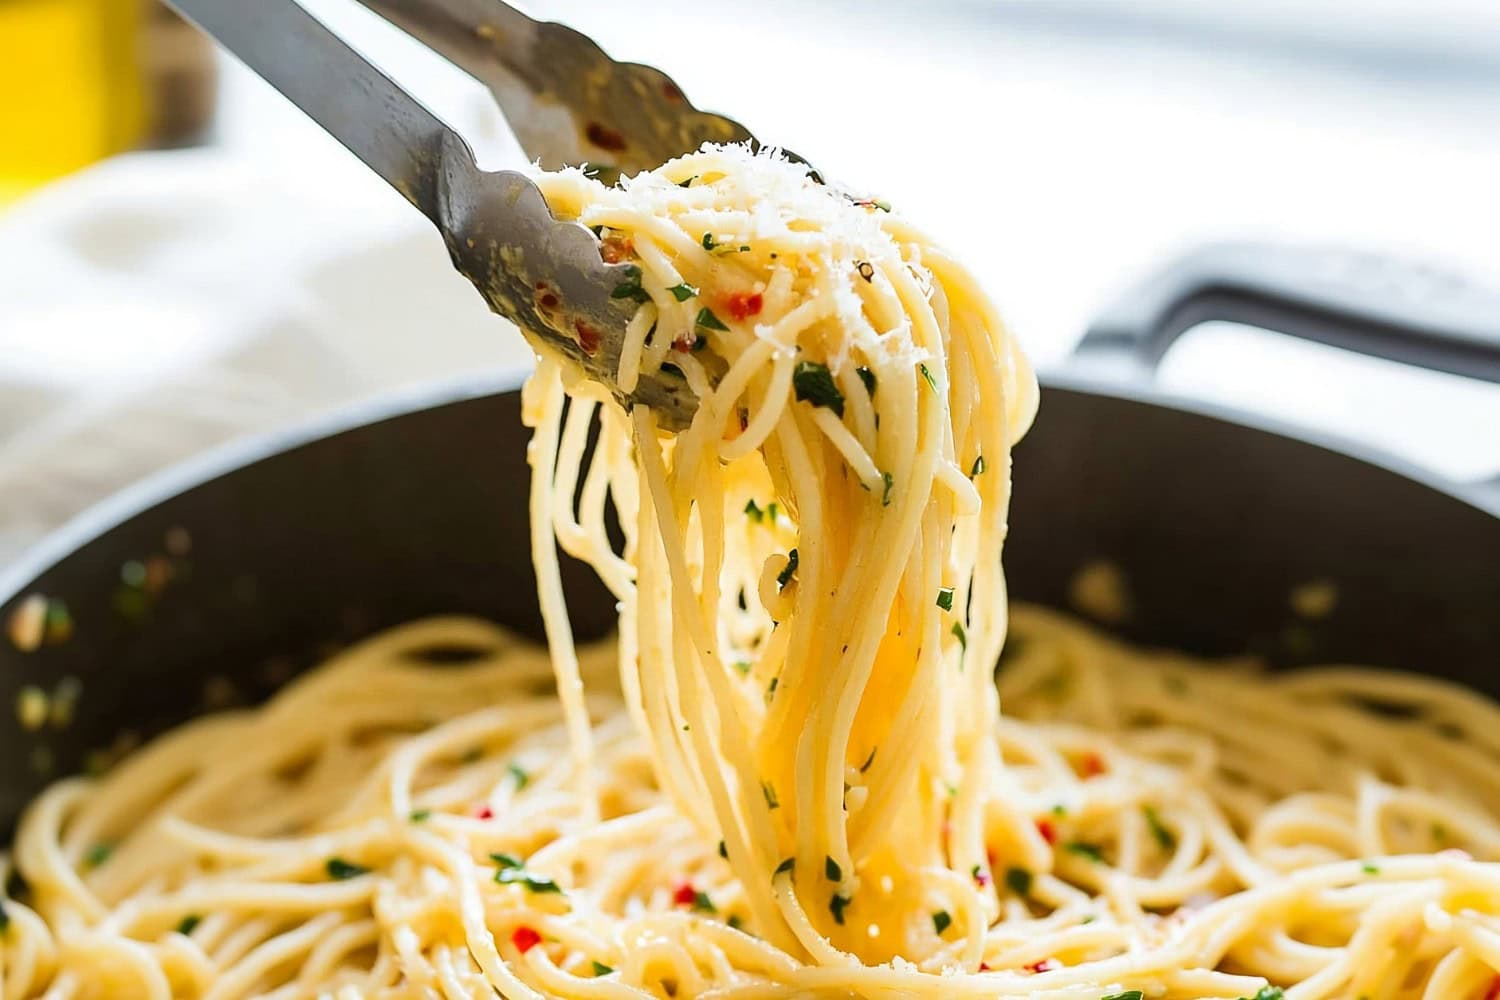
(681,184)
(600,969)
(868,378)
(769,791)
(836,906)
(788,571)
(735,921)
(1164,837)
(832,870)
(188,924)
(945,598)
(978,466)
(98,854)
(753,511)
(506,860)
(1127,995)
(941,921)
(813,383)
(420,815)
(1267,993)
(927,374)
(723,851)
(339,869)
(4,919)
(514,875)
(631,288)
(702,903)
(1369,868)
(743,666)
(522,778)
(885,496)
(683,292)
(709,321)
(787,864)
(963,637)
(1084,849)
(708,241)
(1018,881)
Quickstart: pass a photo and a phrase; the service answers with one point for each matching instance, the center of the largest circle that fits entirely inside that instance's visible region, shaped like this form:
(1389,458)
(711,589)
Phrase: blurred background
(185,259)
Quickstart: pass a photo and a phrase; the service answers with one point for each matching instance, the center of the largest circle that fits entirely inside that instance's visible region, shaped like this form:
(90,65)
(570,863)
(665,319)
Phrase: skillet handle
(1361,302)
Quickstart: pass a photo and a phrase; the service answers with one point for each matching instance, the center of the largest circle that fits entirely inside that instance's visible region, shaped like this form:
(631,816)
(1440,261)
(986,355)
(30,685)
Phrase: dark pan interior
(319,540)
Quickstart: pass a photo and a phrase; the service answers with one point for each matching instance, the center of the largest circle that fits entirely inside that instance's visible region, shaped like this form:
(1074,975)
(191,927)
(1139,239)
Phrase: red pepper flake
(604,137)
(981,877)
(484,812)
(525,939)
(984,967)
(614,249)
(1493,993)
(685,342)
(743,304)
(1090,765)
(685,894)
(1047,830)
(1045,965)
(588,337)
(989,855)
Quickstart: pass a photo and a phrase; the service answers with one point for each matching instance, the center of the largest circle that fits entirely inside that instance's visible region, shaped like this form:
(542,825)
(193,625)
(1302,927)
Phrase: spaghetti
(789,775)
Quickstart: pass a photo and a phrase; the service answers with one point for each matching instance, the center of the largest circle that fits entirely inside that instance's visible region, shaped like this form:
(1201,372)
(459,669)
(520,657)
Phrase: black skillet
(304,541)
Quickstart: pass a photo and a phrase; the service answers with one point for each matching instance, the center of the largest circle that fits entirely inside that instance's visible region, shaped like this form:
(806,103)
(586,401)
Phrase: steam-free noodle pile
(789,775)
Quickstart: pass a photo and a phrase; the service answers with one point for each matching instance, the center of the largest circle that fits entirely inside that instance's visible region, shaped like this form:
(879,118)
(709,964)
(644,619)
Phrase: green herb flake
(683,292)
(506,860)
(709,321)
(788,571)
(769,791)
(708,241)
(631,288)
(961,635)
(4,919)
(1164,837)
(885,496)
(1127,995)
(420,815)
(836,906)
(532,882)
(743,666)
(753,511)
(1084,849)
(735,921)
(787,864)
(188,924)
(98,854)
(977,467)
(868,378)
(522,778)
(723,851)
(600,969)
(1018,881)
(927,374)
(1369,868)
(339,869)
(683,184)
(941,921)
(945,598)
(702,904)
(813,383)
(831,870)
(1268,993)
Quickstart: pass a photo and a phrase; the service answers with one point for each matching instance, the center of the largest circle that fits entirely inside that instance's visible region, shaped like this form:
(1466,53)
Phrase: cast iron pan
(262,559)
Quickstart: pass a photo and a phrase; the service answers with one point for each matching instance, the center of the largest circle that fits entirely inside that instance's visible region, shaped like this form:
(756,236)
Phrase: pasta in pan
(789,774)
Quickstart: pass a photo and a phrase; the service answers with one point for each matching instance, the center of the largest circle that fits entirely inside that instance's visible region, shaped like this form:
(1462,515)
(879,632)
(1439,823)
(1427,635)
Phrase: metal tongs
(566,101)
